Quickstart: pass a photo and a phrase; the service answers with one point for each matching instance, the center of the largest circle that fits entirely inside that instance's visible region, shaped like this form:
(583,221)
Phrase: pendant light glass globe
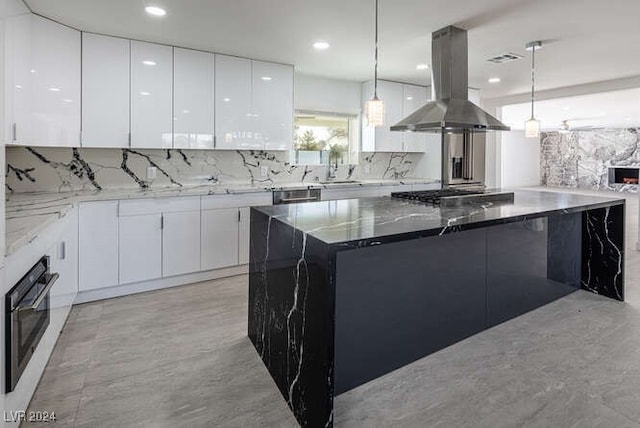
(375,112)
(532,128)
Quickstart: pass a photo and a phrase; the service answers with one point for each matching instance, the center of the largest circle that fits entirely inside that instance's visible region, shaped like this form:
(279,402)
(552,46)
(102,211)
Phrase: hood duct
(451,111)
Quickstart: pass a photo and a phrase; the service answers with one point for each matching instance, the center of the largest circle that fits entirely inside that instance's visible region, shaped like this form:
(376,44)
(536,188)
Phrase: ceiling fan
(565,128)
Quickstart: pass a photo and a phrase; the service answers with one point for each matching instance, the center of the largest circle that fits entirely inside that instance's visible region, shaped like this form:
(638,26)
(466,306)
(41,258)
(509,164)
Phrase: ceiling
(617,109)
(584,40)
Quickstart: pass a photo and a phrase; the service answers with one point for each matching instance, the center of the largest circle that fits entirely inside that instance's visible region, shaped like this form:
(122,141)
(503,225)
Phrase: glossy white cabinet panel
(350,192)
(64,260)
(151,95)
(212,202)
(105,91)
(44,82)
(272,105)
(219,238)
(233,113)
(159,205)
(193,99)
(474,96)
(413,98)
(98,245)
(181,243)
(140,247)
(244,236)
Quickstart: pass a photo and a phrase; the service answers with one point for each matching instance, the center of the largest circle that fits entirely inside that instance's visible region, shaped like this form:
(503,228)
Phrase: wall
(65,169)
(581,158)
(520,160)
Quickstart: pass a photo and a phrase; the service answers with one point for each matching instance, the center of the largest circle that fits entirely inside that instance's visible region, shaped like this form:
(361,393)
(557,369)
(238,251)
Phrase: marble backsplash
(64,169)
(581,159)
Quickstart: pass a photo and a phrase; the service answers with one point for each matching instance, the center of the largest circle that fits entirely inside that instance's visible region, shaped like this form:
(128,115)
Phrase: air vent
(508,57)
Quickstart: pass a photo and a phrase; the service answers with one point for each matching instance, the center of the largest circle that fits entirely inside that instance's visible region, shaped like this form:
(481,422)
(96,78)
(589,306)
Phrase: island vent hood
(451,111)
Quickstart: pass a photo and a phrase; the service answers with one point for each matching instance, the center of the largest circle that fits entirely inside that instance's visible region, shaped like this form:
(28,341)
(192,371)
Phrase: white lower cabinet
(140,247)
(181,243)
(63,257)
(219,238)
(243,236)
(98,245)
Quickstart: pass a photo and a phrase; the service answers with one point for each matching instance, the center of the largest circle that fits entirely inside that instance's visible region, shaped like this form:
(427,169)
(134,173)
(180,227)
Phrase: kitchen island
(342,292)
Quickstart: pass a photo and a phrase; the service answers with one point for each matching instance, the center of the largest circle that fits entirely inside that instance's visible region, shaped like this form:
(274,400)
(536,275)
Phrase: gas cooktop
(455,197)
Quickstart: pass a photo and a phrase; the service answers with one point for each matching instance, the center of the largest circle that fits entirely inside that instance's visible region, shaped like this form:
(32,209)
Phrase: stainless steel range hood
(451,111)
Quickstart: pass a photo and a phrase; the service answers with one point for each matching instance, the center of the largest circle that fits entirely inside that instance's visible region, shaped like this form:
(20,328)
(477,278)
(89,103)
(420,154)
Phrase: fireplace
(623,175)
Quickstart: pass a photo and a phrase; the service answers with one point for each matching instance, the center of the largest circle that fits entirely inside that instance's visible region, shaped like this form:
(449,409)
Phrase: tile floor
(180,358)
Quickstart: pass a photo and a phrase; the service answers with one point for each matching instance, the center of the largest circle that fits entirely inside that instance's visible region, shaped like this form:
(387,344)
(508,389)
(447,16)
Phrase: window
(322,138)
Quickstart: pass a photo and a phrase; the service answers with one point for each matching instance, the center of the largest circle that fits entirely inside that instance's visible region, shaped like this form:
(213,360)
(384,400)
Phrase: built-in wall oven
(27,318)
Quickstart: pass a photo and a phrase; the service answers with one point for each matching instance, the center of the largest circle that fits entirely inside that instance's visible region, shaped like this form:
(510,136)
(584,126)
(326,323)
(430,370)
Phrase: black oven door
(27,319)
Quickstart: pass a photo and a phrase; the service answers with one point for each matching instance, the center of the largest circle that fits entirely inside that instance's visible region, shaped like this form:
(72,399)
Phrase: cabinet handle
(14,132)
(239,214)
(129,139)
(215,141)
(62,251)
(162,222)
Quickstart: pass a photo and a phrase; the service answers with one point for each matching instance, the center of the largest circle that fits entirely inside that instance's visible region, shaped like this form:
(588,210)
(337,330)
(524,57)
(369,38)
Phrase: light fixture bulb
(422,66)
(532,128)
(374,112)
(155,11)
(494,80)
(321,46)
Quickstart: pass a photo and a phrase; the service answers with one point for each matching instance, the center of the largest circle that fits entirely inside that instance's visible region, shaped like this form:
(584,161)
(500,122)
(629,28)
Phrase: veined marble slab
(27,214)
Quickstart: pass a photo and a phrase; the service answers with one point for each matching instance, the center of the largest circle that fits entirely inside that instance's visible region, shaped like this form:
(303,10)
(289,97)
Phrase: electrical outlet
(264,171)
(152,173)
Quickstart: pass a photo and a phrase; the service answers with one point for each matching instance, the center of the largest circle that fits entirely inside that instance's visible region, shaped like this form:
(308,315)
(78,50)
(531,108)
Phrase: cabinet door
(181,243)
(140,247)
(413,98)
(151,95)
(193,99)
(64,261)
(219,238)
(98,245)
(233,104)
(244,236)
(105,91)
(272,105)
(387,141)
(45,82)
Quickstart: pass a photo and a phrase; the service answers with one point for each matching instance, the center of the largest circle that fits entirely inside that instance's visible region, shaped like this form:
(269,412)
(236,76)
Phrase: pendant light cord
(375,72)
(533,78)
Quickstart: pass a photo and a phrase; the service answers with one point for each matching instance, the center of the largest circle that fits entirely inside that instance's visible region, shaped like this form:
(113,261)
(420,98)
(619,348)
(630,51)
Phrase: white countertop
(27,214)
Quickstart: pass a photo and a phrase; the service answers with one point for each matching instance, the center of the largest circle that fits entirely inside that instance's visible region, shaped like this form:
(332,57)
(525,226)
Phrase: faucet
(331,170)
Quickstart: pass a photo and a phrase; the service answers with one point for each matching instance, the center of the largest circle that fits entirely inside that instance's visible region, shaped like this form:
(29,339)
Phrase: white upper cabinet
(414,97)
(42,83)
(272,105)
(233,103)
(151,95)
(400,101)
(105,91)
(193,99)
(254,104)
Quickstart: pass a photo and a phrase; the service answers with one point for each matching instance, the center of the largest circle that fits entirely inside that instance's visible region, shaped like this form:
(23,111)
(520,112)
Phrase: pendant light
(532,126)
(374,108)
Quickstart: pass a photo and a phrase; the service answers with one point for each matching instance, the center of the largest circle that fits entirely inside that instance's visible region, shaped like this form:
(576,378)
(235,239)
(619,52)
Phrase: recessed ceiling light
(494,80)
(409,98)
(148,62)
(19,86)
(67,100)
(155,11)
(54,89)
(32,71)
(266,78)
(226,100)
(321,46)
(186,111)
(566,108)
(422,66)
(145,93)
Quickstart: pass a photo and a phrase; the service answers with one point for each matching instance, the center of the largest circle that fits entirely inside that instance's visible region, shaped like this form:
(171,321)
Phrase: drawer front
(351,193)
(160,205)
(214,202)
(427,186)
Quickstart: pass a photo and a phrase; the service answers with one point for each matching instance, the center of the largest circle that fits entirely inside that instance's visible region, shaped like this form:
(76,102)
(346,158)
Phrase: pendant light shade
(374,109)
(532,126)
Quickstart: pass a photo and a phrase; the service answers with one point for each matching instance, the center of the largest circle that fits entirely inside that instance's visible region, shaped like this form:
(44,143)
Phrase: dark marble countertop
(371,219)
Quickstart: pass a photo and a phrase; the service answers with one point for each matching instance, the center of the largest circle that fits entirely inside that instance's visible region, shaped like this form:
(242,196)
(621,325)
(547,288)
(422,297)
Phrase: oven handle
(312,198)
(52,279)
